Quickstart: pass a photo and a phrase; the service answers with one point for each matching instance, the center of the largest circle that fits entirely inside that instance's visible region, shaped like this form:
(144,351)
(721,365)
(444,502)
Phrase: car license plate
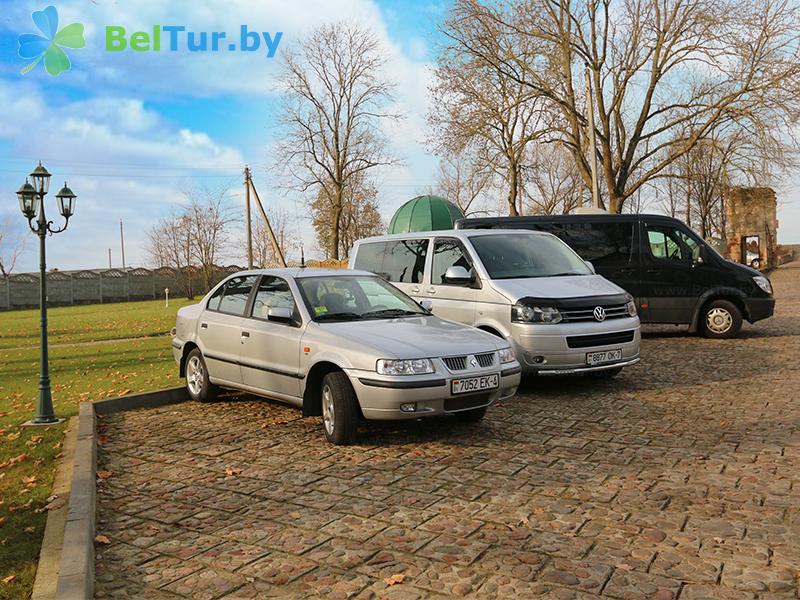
(475,384)
(597,358)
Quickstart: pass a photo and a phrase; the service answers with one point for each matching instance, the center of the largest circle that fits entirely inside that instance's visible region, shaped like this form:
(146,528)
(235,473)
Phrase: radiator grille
(485,360)
(586,313)
(466,402)
(455,363)
(601,339)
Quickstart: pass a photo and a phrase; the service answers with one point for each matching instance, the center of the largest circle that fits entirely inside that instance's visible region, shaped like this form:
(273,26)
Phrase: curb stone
(76,567)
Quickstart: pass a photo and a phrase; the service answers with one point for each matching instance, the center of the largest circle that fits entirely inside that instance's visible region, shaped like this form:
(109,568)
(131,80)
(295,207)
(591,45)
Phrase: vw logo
(599,313)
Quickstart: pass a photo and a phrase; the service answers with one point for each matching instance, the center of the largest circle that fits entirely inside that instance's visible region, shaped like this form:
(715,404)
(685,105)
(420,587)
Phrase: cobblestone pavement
(680,478)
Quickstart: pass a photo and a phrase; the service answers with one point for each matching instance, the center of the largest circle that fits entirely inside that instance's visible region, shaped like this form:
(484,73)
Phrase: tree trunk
(513,189)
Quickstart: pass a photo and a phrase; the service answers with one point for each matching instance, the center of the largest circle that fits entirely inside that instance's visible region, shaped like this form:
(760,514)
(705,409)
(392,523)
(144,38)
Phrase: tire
(471,416)
(339,409)
(607,373)
(721,320)
(198,384)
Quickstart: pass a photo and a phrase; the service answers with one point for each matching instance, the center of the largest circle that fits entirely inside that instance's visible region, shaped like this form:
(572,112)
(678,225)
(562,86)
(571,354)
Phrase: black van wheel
(721,320)
(339,409)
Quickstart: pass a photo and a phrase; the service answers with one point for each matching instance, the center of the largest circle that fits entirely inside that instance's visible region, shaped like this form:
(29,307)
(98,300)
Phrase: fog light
(539,360)
(408,407)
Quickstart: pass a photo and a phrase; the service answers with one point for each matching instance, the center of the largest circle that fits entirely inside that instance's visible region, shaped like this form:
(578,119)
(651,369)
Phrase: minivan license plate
(597,358)
(474,384)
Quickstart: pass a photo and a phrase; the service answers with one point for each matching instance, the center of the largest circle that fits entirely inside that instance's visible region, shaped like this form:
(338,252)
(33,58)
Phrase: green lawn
(80,371)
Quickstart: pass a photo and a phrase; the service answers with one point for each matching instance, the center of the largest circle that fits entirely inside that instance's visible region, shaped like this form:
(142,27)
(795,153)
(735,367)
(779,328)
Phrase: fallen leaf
(101,539)
(395,579)
(34,440)
(233,471)
(104,474)
(12,436)
(29,480)
(28,529)
(2,520)
(9,579)
(625,566)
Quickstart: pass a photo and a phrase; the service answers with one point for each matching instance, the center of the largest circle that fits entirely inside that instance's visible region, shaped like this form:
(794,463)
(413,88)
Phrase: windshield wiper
(391,312)
(343,316)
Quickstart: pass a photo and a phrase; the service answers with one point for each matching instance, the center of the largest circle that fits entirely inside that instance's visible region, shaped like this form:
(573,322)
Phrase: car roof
(303,272)
(455,233)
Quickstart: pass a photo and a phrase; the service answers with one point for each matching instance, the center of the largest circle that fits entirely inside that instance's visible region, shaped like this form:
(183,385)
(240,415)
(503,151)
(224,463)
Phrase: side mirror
(280,314)
(426,304)
(589,264)
(457,275)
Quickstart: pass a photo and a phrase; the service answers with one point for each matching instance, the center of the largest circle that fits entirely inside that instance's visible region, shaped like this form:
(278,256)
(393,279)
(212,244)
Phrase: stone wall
(102,285)
(752,212)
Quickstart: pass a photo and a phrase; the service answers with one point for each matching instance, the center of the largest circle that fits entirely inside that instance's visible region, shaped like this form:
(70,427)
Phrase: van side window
(401,261)
(370,257)
(405,261)
(604,244)
(668,243)
(448,253)
(237,291)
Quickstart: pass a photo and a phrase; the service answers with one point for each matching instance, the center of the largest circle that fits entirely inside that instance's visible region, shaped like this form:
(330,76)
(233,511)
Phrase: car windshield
(355,297)
(520,255)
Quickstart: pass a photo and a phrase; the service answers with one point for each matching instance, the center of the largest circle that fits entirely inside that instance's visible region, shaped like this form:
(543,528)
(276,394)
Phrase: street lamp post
(31,202)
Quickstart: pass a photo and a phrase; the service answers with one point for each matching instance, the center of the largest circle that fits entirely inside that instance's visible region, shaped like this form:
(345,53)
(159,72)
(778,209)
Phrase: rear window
(400,261)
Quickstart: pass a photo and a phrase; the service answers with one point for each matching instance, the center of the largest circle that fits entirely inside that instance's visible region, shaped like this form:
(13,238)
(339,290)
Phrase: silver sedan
(341,344)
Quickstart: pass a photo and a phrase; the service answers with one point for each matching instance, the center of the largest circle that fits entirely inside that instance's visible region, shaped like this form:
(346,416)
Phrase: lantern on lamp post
(31,202)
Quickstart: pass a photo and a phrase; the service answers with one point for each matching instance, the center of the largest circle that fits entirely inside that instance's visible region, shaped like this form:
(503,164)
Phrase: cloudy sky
(129,130)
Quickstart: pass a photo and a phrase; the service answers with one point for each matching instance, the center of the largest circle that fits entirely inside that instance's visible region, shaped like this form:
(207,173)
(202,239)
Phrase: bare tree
(11,247)
(655,66)
(462,180)
(170,245)
(208,217)
(264,253)
(477,108)
(335,99)
(360,218)
(555,185)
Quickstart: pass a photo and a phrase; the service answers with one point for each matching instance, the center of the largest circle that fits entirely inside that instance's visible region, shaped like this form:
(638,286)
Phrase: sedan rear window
(237,292)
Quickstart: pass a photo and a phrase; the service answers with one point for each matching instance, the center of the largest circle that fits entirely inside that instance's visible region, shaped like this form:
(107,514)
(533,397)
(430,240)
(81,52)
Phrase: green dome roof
(425,213)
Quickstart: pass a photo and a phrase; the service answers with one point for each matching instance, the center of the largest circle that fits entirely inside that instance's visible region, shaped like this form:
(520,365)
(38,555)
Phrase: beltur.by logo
(176,37)
(49,46)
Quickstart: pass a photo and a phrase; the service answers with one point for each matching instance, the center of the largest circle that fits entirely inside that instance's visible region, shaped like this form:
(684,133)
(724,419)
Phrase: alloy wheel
(328,409)
(195,375)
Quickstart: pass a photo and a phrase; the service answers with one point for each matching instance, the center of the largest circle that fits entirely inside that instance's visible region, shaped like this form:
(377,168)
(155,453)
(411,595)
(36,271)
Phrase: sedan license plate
(475,384)
(598,358)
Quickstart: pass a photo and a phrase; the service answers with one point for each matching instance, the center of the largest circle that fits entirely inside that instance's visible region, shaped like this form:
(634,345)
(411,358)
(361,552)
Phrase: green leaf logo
(49,46)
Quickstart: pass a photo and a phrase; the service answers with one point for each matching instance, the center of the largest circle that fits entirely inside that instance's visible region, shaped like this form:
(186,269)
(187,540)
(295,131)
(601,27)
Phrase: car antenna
(302,258)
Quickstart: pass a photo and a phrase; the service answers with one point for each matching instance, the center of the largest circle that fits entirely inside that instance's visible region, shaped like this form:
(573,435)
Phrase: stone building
(751,226)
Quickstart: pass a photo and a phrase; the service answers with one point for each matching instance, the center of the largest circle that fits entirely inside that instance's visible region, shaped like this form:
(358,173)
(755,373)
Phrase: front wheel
(339,409)
(198,384)
(721,320)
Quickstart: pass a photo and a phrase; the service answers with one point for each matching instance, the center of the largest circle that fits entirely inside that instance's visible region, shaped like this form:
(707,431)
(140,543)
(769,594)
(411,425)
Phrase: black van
(672,273)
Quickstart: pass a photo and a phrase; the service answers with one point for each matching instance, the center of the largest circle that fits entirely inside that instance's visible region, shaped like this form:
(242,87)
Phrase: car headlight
(763,283)
(506,355)
(523,313)
(417,366)
(630,305)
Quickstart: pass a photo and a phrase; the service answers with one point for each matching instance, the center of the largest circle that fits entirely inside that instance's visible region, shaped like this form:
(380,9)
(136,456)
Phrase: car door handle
(203,325)
(651,271)
(415,290)
(431,290)
(627,271)
(245,334)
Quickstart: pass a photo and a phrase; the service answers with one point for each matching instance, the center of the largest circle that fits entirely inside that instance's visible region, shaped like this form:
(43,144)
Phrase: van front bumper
(759,308)
(544,349)
(381,396)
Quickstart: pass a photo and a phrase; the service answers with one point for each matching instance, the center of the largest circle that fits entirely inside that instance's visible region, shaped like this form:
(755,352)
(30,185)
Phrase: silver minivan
(527,287)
